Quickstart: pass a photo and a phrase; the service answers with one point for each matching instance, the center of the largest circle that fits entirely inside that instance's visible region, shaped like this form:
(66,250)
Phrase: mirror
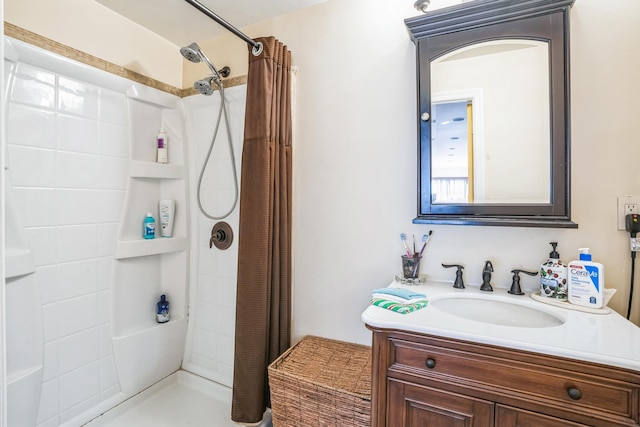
(504,159)
(494,117)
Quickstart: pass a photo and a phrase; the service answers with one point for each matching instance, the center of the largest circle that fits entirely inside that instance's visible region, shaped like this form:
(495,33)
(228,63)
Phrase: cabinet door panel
(411,405)
(512,417)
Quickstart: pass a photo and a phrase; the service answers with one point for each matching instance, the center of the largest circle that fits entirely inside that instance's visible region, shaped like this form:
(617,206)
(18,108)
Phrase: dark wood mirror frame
(442,31)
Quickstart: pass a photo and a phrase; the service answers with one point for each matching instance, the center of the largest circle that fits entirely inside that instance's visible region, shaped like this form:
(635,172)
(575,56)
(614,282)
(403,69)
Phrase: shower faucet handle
(221,236)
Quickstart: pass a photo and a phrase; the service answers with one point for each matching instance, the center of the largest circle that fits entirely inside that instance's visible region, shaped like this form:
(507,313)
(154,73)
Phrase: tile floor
(180,400)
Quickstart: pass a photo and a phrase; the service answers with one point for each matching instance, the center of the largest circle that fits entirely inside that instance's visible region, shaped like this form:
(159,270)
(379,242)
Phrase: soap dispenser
(162,312)
(553,276)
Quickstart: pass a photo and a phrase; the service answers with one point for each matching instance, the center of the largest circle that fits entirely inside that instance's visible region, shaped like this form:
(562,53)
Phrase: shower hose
(221,112)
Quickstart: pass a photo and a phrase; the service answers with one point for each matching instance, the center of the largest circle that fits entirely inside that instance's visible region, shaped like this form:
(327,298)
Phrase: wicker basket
(321,382)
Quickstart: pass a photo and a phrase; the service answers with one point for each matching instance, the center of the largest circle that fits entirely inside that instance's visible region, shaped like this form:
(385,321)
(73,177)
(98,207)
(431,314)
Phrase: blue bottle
(149,227)
(162,313)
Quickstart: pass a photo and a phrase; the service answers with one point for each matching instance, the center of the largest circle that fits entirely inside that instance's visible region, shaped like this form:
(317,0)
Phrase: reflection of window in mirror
(508,154)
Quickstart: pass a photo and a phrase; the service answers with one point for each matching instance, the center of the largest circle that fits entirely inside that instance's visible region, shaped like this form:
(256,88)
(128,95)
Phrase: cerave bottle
(586,281)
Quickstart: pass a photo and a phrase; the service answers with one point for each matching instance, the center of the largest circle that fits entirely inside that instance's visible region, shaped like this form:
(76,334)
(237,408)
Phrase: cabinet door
(512,417)
(411,405)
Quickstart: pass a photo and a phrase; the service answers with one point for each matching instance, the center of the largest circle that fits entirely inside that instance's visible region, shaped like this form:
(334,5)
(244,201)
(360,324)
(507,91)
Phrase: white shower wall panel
(68,156)
(75,158)
(210,342)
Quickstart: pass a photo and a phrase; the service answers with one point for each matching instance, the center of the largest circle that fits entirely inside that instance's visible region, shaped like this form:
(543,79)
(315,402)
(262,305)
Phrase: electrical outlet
(627,205)
(630,208)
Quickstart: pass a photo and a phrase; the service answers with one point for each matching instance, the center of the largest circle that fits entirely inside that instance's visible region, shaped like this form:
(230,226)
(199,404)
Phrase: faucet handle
(486,277)
(459,283)
(515,283)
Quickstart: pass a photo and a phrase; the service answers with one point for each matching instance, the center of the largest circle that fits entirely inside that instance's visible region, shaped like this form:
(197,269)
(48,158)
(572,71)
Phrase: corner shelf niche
(145,269)
(139,169)
(146,187)
(137,248)
(150,182)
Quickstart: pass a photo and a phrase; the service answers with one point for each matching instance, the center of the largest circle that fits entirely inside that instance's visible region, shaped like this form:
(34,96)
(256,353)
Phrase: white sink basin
(496,310)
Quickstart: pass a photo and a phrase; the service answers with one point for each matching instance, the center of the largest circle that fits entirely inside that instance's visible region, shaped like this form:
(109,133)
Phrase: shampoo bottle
(586,281)
(149,227)
(553,276)
(162,144)
(162,312)
(167,209)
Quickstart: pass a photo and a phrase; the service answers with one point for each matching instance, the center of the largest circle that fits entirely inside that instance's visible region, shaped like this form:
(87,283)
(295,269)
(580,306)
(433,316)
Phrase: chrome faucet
(486,277)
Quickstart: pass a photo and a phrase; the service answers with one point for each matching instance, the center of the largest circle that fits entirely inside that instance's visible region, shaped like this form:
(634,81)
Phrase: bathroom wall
(90,27)
(355,146)
(3,373)
(209,350)
(82,174)
(68,157)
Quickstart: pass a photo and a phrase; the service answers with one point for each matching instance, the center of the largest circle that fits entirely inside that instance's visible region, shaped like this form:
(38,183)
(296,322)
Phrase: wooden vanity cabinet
(413,405)
(423,380)
(512,417)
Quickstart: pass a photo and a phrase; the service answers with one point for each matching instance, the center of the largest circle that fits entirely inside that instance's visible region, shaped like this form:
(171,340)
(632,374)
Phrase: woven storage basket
(321,382)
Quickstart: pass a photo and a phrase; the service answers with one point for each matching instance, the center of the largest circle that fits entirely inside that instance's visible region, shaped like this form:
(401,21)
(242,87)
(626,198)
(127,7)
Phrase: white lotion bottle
(586,281)
(167,209)
(163,147)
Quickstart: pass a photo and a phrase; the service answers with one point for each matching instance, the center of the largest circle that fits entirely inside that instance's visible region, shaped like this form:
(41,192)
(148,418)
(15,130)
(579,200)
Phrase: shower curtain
(263,306)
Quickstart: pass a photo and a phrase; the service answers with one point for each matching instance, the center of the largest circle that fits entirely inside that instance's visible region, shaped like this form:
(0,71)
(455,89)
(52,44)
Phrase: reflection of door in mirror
(510,151)
(452,151)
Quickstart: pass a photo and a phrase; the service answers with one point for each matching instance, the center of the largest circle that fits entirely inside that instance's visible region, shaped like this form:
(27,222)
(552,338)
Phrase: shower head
(205,86)
(422,5)
(192,52)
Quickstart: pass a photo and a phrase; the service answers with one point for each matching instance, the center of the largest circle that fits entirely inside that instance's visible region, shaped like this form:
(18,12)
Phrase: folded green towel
(397,307)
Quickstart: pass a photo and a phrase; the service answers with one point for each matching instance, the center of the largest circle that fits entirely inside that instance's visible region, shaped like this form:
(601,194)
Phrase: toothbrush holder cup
(411,266)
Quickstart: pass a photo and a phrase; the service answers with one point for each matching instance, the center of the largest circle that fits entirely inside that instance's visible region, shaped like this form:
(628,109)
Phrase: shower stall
(82,282)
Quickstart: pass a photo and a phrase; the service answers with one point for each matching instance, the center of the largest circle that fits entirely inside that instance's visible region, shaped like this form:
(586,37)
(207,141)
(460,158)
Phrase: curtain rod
(257,46)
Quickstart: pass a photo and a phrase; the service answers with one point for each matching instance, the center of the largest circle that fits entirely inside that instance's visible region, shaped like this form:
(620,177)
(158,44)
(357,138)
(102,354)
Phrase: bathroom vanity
(432,367)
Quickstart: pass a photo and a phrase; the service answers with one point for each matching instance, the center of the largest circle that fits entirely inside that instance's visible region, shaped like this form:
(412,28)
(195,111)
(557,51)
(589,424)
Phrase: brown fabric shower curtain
(263,306)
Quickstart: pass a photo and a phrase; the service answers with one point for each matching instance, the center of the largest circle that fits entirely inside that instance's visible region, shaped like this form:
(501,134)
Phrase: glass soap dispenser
(553,276)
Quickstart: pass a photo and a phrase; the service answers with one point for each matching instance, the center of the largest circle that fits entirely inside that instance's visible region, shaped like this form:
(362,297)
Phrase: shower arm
(257,46)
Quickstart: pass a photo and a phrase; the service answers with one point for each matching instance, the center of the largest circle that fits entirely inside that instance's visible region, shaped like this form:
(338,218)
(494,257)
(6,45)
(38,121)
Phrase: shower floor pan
(180,400)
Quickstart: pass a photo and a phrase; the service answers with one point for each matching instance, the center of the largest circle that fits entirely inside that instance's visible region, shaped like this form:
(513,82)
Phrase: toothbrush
(425,239)
(404,242)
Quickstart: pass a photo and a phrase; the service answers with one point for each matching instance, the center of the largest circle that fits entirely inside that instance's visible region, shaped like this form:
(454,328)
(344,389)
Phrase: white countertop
(609,339)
